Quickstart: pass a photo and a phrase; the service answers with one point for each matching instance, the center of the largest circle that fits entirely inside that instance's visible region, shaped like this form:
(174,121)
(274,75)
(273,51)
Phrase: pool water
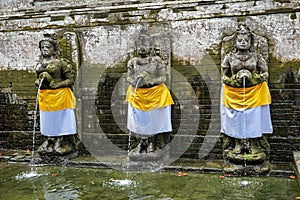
(20,182)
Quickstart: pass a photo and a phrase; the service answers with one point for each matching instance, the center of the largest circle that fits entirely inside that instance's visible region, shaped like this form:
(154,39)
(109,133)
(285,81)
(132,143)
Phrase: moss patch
(293,16)
(282,71)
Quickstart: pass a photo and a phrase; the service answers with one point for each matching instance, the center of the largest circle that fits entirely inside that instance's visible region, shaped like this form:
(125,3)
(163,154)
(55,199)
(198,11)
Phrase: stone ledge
(186,165)
(102,14)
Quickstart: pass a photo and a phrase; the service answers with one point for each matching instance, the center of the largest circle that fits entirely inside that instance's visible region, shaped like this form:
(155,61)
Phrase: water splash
(244,183)
(28,175)
(122,183)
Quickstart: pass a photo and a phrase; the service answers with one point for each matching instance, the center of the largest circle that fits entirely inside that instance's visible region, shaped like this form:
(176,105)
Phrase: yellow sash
(149,98)
(56,99)
(244,98)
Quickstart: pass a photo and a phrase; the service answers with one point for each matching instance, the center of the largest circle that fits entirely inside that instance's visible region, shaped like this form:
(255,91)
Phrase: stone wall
(192,32)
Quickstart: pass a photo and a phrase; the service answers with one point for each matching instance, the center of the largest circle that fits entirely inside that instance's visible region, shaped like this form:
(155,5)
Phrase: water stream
(35,122)
(244,121)
(125,182)
(244,110)
(32,173)
(130,134)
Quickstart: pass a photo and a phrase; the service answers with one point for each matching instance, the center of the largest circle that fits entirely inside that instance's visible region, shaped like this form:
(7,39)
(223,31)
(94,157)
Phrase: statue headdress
(258,43)
(143,37)
(52,38)
(243,29)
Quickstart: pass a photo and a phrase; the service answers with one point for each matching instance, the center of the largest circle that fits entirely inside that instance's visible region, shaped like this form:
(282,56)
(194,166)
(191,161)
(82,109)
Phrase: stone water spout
(56,77)
(245,100)
(149,100)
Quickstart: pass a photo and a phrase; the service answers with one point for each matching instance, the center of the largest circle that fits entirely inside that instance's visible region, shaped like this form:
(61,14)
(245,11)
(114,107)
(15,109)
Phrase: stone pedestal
(246,160)
(247,170)
(246,164)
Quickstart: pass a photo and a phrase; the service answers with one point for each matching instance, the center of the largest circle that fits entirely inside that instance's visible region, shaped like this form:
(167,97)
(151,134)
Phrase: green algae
(87,183)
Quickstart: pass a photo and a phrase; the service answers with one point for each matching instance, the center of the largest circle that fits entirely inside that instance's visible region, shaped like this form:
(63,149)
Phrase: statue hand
(142,74)
(148,80)
(139,77)
(229,80)
(232,81)
(159,80)
(244,74)
(263,76)
(257,78)
(140,82)
(57,84)
(45,75)
(37,82)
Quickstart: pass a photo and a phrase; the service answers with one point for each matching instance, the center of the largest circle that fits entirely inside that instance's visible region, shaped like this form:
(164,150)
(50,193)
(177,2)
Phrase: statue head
(243,39)
(144,44)
(49,46)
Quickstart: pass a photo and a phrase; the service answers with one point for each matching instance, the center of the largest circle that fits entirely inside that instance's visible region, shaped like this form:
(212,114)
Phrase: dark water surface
(20,182)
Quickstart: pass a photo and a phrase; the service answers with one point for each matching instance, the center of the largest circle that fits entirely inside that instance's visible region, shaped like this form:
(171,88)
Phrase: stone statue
(149,100)
(55,78)
(245,99)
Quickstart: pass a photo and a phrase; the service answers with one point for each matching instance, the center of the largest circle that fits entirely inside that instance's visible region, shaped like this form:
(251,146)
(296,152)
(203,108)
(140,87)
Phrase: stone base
(147,166)
(144,157)
(247,170)
(59,149)
(253,158)
(246,164)
(55,159)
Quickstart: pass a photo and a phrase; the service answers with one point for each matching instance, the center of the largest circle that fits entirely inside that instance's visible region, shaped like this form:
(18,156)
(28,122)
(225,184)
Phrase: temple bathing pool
(20,182)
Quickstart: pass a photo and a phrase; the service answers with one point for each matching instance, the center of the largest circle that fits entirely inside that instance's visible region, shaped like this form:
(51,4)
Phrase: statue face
(47,49)
(243,42)
(144,47)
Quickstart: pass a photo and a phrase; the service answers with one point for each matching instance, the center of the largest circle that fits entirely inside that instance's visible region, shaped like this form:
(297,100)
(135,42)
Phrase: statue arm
(68,77)
(262,67)
(161,74)
(225,66)
(227,76)
(42,75)
(130,72)
(38,70)
(261,73)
